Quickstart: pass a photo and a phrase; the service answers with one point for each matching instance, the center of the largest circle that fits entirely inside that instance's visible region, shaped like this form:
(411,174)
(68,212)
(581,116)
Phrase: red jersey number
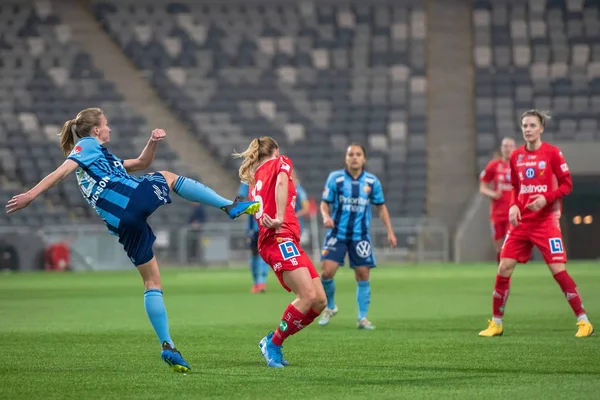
(257,197)
(264,190)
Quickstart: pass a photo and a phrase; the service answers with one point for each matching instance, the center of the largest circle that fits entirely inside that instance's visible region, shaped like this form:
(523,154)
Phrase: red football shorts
(285,254)
(499,229)
(545,235)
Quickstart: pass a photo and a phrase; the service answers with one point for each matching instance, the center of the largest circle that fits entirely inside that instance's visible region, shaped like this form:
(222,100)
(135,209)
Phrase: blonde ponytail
(249,161)
(77,128)
(67,140)
(258,150)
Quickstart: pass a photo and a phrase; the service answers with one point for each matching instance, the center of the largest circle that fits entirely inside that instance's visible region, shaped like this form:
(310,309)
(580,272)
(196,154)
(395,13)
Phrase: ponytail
(78,128)
(258,150)
(67,137)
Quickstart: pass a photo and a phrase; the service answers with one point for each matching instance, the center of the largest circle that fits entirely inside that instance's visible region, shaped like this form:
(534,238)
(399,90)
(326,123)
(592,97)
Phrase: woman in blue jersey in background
(346,212)
(258,267)
(125,202)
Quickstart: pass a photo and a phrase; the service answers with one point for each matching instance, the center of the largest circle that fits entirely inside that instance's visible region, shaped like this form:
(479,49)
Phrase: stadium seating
(315,76)
(45,79)
(540,54)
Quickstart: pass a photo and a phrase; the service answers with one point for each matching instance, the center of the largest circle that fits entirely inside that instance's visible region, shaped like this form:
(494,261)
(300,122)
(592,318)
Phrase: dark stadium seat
(45,79)
(536,54)
(314,76)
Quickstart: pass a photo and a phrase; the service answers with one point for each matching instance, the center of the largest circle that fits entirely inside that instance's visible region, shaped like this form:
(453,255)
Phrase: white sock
(582,317)
(497,320)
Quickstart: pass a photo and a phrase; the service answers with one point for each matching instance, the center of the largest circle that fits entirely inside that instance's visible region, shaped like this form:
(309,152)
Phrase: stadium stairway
(109,58)
(451,131)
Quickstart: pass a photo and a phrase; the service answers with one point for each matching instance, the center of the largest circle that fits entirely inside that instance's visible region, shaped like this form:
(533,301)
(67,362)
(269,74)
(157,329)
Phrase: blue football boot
(240,207)
(264,347)
(174,358)
(271,352)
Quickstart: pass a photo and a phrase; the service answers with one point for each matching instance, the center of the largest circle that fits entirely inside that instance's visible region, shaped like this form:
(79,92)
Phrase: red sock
(291,322)
(567,284)
(501,290)
(309,317)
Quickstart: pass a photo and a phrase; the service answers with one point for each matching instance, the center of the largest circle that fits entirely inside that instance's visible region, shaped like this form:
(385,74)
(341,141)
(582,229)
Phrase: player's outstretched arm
(24,199)
(147,155)
(385,218)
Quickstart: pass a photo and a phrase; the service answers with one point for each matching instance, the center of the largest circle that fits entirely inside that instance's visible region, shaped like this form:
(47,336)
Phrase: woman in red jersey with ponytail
(270,176)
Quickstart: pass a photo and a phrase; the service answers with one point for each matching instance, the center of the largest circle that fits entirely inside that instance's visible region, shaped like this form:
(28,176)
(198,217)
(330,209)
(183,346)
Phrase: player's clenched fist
(158,135)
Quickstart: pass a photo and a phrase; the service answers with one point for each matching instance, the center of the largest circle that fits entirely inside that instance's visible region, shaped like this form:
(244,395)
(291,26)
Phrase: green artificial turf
(86,335)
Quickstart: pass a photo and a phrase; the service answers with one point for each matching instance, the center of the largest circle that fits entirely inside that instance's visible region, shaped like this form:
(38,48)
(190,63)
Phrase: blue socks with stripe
(329,286)
(194,191)
(157,313)
(363,298)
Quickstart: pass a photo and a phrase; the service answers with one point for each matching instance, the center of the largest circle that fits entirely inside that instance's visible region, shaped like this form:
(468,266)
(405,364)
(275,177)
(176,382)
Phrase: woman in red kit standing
(495,184)
(540,178)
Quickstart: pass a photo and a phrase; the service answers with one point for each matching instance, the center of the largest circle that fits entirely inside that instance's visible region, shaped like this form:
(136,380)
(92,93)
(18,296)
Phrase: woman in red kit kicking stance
(270,178)
(540,178)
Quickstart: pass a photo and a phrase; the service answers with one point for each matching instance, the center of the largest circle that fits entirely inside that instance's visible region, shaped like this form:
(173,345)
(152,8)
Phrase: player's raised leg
(499,297)
(157,314)
(192,190)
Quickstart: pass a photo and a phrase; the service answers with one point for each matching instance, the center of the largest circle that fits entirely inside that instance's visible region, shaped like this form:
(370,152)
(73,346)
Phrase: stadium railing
(226,244)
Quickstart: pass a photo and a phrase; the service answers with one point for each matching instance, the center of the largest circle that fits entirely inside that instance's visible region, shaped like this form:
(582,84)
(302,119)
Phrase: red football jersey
(263,191)
(543,171)
(498,173)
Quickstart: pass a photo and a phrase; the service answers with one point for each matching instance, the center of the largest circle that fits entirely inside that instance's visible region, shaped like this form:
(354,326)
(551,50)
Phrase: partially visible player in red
(540,178)
(269,175)
(495,184)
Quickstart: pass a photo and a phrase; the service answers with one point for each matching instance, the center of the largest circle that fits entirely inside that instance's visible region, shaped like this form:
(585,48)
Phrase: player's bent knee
(326,275)
(328,270)
(308,296)
(320,303)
